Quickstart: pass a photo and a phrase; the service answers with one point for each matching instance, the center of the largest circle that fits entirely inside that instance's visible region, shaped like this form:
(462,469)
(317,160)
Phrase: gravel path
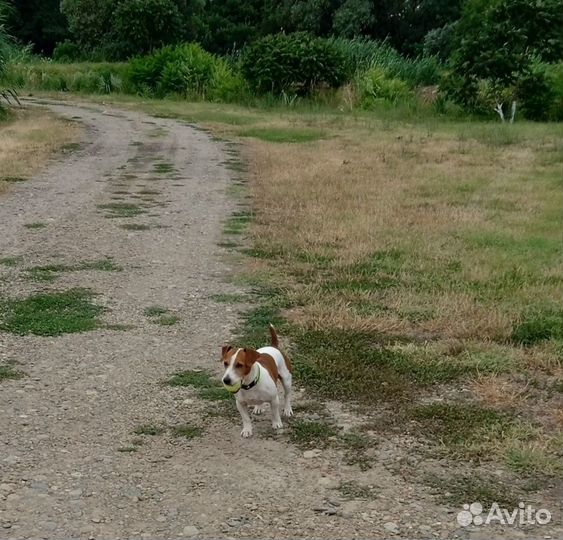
(64,427)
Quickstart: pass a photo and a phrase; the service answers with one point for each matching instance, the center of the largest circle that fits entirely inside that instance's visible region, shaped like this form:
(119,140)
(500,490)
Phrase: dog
(257,372)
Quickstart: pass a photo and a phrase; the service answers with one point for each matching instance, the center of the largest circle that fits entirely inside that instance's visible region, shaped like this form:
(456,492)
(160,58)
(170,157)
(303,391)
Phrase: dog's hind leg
(286,380)
(276,420)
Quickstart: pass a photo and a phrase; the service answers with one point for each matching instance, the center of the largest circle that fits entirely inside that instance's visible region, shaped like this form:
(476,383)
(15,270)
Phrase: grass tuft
(51,314)
(148,429)
(186,431)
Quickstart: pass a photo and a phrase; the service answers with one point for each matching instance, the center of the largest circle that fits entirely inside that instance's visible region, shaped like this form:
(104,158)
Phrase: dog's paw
(277,425)
(258,409)
(288,411)
(246,432)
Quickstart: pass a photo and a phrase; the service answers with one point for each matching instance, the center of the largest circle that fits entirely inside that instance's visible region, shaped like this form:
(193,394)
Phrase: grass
(121,210)
(155,311)
(207,386)
(35,225)
(50,272)
(135,226)
(10,261)
(279,135)
(353,490)
(161,315)
(163,168)
(28,140)
(50,313)
(464,488)
(423,250)
(307,433)
(148,429)
(7,371)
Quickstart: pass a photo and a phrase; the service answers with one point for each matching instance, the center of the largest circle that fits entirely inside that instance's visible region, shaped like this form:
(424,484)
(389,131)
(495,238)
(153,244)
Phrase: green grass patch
(127,449)
(49,272)
(186,431)
(539,325)
(148,429)
(163,168)
(463,428)
(230,298)
(50,314)
(353,490)
(121,210)
(7,371)
(465,488)
(283,135)
(307,433)
(135,226)
(238,222)
(35,225)
(11,261)
(155,311)
(168,319)
(207,386)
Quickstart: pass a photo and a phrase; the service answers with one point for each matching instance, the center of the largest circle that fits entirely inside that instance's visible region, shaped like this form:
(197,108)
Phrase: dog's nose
(227,380)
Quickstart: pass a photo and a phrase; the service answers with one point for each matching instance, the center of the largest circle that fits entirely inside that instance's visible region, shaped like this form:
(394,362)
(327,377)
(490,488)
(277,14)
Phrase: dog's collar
(253,383)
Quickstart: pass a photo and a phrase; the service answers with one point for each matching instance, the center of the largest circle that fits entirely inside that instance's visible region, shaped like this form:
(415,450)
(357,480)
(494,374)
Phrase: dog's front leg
(246,422)
(275,406)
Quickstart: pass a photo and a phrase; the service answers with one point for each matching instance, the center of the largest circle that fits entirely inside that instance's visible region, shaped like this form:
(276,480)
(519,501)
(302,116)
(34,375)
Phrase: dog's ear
(250,356)
(225,349)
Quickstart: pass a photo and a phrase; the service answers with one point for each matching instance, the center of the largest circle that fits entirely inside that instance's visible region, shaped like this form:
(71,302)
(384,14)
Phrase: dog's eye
(238,365)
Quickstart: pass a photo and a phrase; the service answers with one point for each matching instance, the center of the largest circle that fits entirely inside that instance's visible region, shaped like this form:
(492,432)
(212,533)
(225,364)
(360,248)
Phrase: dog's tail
(274,337)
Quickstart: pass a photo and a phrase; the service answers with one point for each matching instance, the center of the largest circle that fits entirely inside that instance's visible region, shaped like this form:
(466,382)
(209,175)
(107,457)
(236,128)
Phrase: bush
(293,63)
(539,91)
(375,86)
(67,51)
(187,70)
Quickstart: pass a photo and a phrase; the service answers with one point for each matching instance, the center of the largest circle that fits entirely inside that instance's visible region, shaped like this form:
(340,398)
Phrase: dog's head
(238,363)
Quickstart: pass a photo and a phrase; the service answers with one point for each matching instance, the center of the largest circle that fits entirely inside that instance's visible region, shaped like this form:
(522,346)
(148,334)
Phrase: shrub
(375,86)
(67,51)
(537,326)
(187,70)
(294,63)
(539,92)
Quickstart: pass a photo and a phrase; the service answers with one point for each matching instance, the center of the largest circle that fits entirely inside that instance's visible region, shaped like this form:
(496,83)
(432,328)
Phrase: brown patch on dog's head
(242,360)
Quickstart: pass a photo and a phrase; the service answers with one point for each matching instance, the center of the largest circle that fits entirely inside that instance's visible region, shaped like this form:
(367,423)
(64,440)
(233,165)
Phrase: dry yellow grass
(28,140)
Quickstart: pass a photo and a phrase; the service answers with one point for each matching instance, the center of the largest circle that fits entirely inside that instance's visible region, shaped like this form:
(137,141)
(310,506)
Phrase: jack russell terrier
(252,376)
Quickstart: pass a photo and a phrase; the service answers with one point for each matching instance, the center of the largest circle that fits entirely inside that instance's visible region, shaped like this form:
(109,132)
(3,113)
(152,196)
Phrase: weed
(51,314)
(540,325)
(49,272)
(35,225)
(148,429)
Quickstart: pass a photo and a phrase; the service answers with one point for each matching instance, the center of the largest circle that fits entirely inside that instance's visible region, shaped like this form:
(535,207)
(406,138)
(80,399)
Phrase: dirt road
(70,462)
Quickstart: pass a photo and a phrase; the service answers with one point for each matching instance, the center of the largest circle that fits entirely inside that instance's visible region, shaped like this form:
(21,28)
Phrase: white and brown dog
(254,375)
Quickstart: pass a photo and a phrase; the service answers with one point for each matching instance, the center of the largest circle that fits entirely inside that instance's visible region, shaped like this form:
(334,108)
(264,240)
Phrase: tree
(143,25)
(89,21)
(39,22)
(354,18)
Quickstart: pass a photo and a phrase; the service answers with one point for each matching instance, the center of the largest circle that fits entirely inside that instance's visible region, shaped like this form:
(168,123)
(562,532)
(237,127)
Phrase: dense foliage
(483,54)
(295,63)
